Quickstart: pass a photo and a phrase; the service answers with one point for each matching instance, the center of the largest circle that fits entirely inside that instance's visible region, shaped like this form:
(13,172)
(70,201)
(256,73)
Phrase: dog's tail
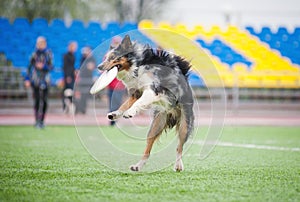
(183,119)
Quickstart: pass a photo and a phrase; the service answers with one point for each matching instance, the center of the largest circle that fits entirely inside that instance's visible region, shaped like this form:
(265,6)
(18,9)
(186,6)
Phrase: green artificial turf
(53,165)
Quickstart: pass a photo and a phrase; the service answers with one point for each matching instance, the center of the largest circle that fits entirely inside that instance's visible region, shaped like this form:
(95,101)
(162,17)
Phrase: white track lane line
(251,146)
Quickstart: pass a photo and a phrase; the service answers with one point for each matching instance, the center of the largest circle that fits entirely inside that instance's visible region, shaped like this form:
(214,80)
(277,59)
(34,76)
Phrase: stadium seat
(251,30)
(113,28)
(195,80)
(128,26)
(20,21)
(224,52)
(77,27)
(250,80)
(57,27)
(182,29)
(4,23)
(290,80)
(94,28)
(196,32)
(228,79)
(282,41)
(215,30)
(165,25)
(76,23)
(296,34)
(39,22)
(40,26)
(21,25)
(146,24)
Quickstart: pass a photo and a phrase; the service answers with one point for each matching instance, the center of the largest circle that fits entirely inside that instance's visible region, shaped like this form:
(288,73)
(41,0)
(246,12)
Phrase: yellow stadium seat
(197,31)
(182,29)
(228,79)
(290,81)
(240,68)
(271,81)
(165,25)
(215,30)
(232,29)
(250,80)
(146,24)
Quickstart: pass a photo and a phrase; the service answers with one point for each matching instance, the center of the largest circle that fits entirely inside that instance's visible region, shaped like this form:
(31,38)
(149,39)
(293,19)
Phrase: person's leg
(44,106)
(116,99)
(63,99)
(110,93)
(36,97)
(84,98)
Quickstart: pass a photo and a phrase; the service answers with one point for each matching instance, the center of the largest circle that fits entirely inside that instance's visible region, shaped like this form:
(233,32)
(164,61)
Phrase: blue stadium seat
(282,31)
(21,25)
(57,27)
(94,28)
(4,23)
(77,26)
(224,52)
(296,34)
(202,43)
(113,28)
(251,30)
(266,34)
(283,41)
(19,59)
(195,80)
(20,21)
(40,26)
(127,26)
(57,23)
(77,23)
(39,22)
(266,30)
(55,77)
(282,34)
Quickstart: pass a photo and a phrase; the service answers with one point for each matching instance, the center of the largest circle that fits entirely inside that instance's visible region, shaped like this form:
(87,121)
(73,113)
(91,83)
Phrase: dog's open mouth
(117,65)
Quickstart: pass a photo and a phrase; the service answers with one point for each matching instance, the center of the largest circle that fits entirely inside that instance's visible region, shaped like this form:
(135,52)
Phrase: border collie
(154,79)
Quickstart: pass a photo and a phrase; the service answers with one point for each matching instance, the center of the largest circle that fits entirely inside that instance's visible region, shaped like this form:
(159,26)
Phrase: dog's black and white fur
(154,79)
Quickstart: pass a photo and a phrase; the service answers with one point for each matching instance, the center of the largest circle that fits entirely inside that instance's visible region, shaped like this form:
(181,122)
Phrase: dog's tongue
(104,80)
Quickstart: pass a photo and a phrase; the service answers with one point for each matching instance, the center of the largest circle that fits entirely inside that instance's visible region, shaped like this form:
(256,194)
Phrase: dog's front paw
(130,113)
(114,115)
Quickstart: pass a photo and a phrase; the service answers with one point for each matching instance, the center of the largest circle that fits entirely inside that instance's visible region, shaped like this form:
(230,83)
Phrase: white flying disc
(105,78)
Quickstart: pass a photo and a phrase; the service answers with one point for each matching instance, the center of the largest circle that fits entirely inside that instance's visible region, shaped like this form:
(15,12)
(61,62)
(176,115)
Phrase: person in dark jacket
(84,79)
(38,78)
(69,74)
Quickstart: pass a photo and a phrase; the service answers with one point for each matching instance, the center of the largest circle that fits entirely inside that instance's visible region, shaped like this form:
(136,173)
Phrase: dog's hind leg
(157,127)
(184,129)
(182,132)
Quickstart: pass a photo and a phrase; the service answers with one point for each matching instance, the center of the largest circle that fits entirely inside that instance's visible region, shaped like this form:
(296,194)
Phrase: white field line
(251,146)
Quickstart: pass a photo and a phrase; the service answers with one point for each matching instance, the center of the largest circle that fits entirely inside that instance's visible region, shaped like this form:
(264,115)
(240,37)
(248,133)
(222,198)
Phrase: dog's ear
(126,43)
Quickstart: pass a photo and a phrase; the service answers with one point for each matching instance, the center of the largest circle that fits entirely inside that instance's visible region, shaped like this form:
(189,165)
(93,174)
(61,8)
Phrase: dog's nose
(100,66)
